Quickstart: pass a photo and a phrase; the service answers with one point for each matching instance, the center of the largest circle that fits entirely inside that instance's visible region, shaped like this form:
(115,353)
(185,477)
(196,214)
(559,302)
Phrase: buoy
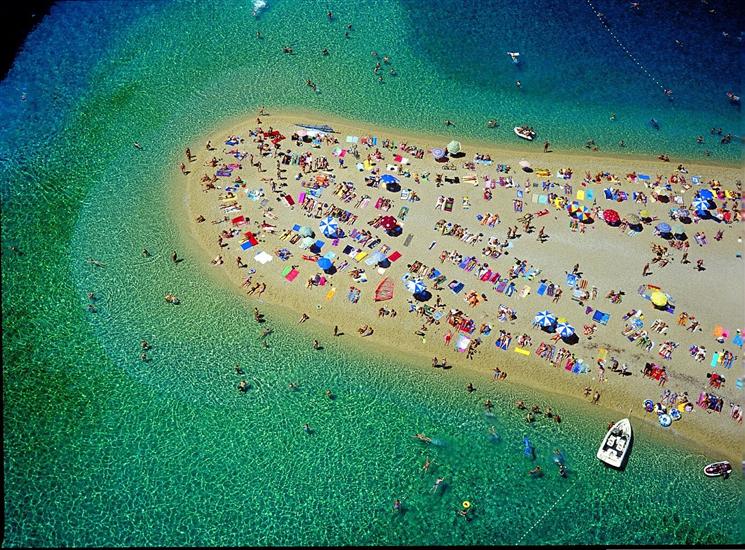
(466,504)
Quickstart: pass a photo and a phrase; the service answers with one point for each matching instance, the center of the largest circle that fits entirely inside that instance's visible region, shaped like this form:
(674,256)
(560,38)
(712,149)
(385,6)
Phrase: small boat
(515,57)
(716,469)
(734,99)
(524,132)
(317,127)
(616,443)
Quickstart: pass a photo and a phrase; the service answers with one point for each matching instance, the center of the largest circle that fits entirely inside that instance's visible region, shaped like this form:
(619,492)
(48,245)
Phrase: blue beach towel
(571,279)
(542,289)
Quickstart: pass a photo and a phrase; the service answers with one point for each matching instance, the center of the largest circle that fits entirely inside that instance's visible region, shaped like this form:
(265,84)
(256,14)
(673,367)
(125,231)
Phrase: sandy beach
(611,259)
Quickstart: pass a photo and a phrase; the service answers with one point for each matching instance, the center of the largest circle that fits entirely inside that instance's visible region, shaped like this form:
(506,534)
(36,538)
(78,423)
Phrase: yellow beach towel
(361,256)
(522,351)
(330,293)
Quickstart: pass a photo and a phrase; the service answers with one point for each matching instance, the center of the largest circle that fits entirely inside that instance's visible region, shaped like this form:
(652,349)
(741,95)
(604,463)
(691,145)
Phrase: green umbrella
(633,219)
(454,147)
(678,229)
(306,231)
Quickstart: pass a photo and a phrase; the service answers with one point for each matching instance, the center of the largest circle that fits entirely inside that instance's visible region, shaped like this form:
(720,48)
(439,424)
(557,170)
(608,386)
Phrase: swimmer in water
(137,146)
(536,471)
(437,484)
(307,429)
(562,470)
(470,388)
(397,506)
(427,464)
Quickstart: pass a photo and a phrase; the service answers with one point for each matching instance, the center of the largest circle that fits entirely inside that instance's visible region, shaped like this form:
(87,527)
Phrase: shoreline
(696,434)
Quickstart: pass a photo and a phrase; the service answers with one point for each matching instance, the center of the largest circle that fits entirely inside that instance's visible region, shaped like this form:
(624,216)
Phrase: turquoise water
(101,449)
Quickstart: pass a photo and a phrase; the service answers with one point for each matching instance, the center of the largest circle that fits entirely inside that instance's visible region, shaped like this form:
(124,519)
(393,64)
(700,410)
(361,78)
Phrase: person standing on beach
(304,318)
(174,257)
(546,145)
(336,330)
(645,270)
(188,154)
(183,168)
(316,345)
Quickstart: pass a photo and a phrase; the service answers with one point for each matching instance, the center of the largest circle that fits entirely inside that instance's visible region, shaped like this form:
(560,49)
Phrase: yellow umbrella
(658,298)
(644,214)
(561,320)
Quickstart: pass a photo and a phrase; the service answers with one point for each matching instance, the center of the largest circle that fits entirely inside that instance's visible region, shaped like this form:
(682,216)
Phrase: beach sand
(609,259)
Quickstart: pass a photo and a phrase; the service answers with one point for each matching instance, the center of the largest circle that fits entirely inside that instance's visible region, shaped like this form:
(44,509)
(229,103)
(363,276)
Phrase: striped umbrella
(544,318)
(415,287)
(438,153)
(329,226)
(663,227)
(700,203)
(564,329)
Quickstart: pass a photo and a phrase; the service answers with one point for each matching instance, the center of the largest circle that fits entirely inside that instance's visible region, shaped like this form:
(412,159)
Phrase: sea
(101,449)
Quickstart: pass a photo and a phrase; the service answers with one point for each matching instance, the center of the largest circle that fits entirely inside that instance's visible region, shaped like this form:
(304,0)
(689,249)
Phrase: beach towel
(501,286)
(602,353)
(456,286)
(524,291)
(449,204)
(581,195)
(240,220)
(542,289)
(394,256)
(289,200)
(465,261)
(296,227)
(510,290)
(535,198)
(374,258)
(715,359)
(522,351)
(571,279)
(352,139)
(330,293)
(601,317)
(486,276)
(319,244)
(263,257)
(408,239)
(361,256)
(292,275)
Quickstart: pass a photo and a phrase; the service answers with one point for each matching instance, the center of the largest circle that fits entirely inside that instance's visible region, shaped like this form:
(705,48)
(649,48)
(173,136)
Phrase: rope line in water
(622,46)
(525,534)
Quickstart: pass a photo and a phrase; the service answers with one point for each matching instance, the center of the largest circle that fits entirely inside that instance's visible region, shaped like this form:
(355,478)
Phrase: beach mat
(292,275)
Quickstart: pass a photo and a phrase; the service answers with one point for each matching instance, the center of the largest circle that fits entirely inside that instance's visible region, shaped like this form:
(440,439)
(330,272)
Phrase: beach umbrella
(633,219)
(384,263)
(658,298)
(329,226)
(544,318)
(324,263)
(306,231)
(388,222)
(706,194)
(683,213)
(307,242)
(611,216)
(415,286)
(454,147)
(422,296)
(395,231)
(579,211)
(388,178)
(678,229)
(645,215)
(663,227)
(524,164)
(564,329)
(700,203)
(438,153)
(393,187)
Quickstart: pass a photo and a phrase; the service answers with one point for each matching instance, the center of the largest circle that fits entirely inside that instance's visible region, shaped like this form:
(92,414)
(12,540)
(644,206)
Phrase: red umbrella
(388,222)
(611,216)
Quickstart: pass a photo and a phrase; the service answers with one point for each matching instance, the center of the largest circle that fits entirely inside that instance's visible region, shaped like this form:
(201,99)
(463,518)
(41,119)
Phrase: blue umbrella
(700,203)
(663,227)
(565,330)
(415,287)
(324,263)
(706,194)
(544,318)
(329,226)
(388,178)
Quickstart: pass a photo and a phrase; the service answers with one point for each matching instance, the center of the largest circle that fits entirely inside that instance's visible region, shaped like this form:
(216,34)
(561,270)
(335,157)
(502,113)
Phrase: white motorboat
(616,444)
(717,469)
(524,132)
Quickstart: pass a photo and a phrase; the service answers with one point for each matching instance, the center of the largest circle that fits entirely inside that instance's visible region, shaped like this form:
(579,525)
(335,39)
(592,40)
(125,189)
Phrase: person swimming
(536,472)
(438,484)
(422,437)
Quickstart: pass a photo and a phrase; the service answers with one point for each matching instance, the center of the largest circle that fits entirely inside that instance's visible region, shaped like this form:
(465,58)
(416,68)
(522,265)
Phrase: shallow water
(101,449)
